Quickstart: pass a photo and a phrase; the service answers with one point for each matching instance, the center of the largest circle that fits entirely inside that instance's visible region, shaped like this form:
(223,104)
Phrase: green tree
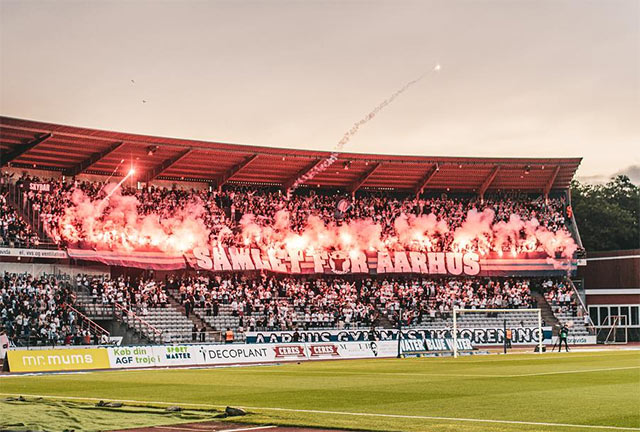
(607,215)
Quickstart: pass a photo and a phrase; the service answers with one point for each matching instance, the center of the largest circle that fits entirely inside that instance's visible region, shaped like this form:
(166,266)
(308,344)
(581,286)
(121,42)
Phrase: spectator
(224,209)
(34,311)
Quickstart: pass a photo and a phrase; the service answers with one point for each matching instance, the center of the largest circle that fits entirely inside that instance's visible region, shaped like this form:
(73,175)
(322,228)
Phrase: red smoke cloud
(116,224)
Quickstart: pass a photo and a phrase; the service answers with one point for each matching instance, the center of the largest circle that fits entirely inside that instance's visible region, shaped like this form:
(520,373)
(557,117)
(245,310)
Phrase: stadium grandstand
(319,216)
(98,245)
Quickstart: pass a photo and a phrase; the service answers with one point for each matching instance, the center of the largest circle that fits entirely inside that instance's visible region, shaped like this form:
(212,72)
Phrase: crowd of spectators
(132,293)
(285,303)
(224,209)
(34,311)
(14,231)
(561,297)
(268,302)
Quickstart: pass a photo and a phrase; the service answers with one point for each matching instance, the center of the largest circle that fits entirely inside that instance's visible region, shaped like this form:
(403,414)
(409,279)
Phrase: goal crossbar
(456,311)
(615,323)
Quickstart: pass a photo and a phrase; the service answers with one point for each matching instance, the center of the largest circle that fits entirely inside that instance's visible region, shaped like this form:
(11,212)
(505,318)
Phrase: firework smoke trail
(114,171)
(129,174)
(353,131)
(111,175)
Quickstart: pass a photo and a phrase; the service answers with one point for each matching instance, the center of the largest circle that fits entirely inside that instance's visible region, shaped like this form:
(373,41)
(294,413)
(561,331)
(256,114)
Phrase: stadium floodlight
(458,311)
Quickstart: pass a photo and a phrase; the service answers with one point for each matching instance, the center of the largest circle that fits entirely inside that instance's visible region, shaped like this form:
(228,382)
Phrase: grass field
(550,392)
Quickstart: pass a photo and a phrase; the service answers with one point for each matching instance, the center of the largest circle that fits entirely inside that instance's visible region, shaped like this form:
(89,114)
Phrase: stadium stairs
(212,333)
(214,324)
(548,316)
(383,321)
(159,324)
(105,317)
(31,216)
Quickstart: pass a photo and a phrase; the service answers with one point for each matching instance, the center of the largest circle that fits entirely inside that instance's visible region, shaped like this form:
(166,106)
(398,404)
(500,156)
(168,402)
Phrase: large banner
(143,260)
(61,359)
(219,259)
(372,262)
(477,336)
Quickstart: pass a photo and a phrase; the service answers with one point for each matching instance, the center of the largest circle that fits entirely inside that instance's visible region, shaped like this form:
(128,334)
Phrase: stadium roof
(76,150)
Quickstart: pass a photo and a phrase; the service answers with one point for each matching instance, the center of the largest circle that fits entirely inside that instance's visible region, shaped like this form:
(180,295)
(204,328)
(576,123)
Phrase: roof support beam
(426,178)
(289,183)
(155,172)
(23,148)
(226,176)
(487,182)
(551,181)
(353,188)
(94,158)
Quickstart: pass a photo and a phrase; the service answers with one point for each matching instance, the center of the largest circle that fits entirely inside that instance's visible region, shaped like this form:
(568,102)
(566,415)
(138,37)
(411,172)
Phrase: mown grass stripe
(355,414)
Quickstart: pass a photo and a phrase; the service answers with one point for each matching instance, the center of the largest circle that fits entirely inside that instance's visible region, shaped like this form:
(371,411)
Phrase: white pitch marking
(445,418)
(513,356)
(181,428)
(515,375)
(572,371)
(355,414)
(462,375)
(248,429)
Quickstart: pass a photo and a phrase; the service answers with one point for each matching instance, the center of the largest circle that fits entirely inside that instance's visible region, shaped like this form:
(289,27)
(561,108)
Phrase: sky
(539,78)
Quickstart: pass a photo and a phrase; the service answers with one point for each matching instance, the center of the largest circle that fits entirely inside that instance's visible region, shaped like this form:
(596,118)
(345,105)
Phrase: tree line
(607,214)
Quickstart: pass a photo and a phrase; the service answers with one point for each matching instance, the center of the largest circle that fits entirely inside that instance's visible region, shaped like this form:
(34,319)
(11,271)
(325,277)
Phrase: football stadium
(166,281)
(376,295)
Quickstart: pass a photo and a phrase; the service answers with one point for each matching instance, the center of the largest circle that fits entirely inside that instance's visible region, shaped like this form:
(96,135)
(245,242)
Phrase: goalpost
(457,311)
(617,329)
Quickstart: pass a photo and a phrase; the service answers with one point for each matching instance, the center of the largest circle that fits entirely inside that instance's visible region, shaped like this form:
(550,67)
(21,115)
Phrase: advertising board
(521,335)
(215,355)
(61,359)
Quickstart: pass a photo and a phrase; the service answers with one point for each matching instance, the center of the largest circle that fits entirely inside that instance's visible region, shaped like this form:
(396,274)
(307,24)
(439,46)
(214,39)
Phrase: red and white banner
(218,259)
(376,262)
(336,262)
(145,260)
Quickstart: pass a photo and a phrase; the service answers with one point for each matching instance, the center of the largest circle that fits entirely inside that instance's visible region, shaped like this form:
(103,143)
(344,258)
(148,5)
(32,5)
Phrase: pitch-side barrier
(194,355)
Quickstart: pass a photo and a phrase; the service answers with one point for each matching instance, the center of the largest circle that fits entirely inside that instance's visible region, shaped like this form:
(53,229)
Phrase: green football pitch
(518,392)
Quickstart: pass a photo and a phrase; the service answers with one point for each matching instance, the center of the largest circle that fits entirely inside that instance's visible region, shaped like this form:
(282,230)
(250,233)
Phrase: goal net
(614,329)
(509,325)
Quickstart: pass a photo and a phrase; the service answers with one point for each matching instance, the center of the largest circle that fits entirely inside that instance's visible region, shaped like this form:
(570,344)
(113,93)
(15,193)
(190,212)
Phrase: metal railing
(582,306)
(32,217)
(87,322)
(573,226)
(134,321)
